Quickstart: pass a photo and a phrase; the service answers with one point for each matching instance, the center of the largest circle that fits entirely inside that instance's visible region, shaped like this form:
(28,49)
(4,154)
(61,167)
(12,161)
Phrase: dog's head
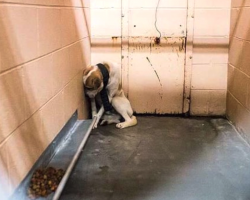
(93,81)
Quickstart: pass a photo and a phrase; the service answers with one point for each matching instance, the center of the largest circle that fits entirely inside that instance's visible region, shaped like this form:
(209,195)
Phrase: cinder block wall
(210,57)
(44,47)
(238,95)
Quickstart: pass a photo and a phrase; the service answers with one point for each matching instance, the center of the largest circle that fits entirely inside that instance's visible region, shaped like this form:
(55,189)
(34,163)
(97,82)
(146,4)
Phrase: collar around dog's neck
(105,74)
(104,96)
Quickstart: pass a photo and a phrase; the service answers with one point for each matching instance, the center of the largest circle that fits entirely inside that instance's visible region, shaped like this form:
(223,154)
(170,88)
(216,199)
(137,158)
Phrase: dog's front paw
(95,125)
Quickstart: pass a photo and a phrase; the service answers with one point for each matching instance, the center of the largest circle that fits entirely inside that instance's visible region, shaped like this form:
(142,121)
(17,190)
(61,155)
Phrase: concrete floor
(163,158)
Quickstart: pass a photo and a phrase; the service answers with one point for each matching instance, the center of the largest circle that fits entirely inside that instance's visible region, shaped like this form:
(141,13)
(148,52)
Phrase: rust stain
(182,46)
(183,43)
(177,52)
(114,40)
(166,38)
(161,93)
(157,40)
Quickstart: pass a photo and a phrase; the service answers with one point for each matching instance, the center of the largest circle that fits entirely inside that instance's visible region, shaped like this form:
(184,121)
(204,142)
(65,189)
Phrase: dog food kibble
(44,182)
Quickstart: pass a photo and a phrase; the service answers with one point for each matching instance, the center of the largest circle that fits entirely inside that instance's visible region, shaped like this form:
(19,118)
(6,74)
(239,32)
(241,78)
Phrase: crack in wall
(154,71)
(161,93)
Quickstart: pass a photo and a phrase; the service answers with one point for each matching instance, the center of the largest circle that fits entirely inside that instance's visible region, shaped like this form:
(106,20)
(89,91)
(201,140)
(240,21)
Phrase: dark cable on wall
(157,39)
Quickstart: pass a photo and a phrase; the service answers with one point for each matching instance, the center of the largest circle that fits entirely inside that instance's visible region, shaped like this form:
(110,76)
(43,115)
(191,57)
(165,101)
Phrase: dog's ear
(96,82)
(87,70)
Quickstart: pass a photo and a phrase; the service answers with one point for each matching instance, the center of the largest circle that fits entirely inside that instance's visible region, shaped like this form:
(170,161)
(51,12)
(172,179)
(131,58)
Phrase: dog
(94,82)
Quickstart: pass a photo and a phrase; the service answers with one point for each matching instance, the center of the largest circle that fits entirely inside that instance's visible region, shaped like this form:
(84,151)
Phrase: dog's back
(114,85)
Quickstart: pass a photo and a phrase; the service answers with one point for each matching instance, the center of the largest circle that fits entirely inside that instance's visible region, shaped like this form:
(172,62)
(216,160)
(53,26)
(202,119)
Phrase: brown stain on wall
(114,41)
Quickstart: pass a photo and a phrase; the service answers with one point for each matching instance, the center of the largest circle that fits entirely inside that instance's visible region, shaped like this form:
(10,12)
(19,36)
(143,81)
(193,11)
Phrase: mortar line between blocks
(39,5)
(239,70)
(40,57)
(238,101)
(42,106)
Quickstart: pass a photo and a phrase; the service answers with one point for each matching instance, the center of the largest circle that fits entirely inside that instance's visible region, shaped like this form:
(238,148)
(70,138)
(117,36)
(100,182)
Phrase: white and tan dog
(93,82)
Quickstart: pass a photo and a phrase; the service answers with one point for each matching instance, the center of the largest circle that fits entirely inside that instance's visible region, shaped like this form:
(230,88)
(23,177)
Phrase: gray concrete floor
(163,158)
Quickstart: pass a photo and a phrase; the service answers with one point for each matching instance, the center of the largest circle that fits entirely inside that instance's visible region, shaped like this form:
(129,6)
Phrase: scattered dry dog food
(44,182)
